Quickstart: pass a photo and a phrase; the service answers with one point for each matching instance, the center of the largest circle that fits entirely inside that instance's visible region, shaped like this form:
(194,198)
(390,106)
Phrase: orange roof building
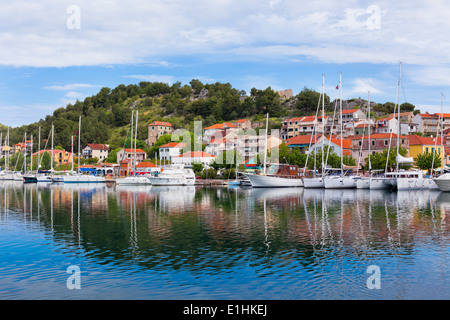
(191,157)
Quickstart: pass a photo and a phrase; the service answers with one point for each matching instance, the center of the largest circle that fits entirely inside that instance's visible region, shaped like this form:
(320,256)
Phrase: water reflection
(275,243)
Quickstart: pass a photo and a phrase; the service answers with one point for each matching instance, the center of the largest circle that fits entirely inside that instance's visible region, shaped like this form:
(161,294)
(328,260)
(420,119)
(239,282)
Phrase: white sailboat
(272,180)
(7,174)
(341,181)
(317,181)
(135,179)
(406,180)
(364,182)
(79,177)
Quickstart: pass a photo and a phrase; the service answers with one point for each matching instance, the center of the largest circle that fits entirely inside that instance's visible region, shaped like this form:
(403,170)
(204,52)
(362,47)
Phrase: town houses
(358,137)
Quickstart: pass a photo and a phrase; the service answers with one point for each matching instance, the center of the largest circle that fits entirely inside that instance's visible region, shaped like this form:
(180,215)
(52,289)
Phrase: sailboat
(340,181)
(78,177)
(402,179)
(273,180)
(317,181)
(133,180)
(7,174)
(364,183)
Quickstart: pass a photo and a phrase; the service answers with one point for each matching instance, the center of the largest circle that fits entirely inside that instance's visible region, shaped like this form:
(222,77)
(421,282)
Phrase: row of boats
(399,180)
(171,175)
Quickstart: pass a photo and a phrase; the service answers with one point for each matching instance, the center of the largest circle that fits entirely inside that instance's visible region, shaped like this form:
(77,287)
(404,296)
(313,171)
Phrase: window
(373,142)
(386,142)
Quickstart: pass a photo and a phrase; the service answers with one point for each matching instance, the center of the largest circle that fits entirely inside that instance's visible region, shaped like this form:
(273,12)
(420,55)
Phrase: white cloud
(364,85)
(152,78)
(71,86)
(113,32)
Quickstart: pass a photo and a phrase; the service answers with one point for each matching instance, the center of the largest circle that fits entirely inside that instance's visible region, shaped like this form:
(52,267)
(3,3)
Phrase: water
(221,243)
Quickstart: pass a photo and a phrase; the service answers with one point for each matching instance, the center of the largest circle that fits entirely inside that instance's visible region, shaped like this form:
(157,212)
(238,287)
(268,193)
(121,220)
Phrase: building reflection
(145,222)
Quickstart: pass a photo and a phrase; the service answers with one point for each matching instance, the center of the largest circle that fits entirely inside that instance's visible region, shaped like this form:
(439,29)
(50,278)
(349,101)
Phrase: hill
(106,116)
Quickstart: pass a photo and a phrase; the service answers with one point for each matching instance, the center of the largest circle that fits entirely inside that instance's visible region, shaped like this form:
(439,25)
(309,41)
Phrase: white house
(352,115)
(218,146)
(386,125)
(211,130)
(94,150)
(188,158)
(170,150)
(128,154)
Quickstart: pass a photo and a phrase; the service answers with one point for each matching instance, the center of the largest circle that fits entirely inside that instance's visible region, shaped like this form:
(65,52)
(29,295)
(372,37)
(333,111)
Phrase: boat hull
(260,181)
(380,183)
(311,183)
(443,183)
(340,183)
(171,181)
(415,183)
(133,181)
(363,184)
(79,179)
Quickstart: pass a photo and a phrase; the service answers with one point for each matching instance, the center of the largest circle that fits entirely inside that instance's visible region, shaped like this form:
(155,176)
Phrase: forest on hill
(106,116)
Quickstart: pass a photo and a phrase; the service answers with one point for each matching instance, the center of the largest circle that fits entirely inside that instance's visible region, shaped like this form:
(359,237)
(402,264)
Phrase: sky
(54,52)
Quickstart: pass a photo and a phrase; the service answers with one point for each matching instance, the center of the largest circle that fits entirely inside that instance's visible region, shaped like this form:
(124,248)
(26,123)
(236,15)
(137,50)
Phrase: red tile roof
(415,140)
(302,139)
(221,126)
(160,123)
(174,145)
(346,143)
(349,111)
(96,146)
(145,164)
(132,150)
(195,154)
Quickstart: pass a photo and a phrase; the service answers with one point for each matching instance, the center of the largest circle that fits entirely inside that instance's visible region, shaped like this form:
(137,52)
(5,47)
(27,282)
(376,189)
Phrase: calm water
(221,243)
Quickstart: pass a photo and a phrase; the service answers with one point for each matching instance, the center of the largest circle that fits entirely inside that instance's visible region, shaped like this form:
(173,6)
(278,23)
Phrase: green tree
(308,100)
(425,160)
(46,161)
(378,160)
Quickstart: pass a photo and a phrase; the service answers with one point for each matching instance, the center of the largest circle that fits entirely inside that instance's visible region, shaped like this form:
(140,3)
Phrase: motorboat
(443,182)
(173,175)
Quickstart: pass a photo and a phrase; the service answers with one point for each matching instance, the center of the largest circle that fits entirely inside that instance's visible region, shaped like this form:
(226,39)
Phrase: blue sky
(54,52)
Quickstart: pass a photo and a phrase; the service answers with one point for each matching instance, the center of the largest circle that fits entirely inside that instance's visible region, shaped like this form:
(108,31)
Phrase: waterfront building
(156,129)
(94,150)
(191,157)
(170,150)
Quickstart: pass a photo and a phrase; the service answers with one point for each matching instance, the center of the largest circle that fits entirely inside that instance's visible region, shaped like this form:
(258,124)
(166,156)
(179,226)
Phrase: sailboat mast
(25,155)
(51,157)
(135,143)
(398,111)
(368,102)
(442,153)
(265,146)
(131,135)
(323,120)
(39,150)
(31,154)
(79,143)
(71,154)
(340,107)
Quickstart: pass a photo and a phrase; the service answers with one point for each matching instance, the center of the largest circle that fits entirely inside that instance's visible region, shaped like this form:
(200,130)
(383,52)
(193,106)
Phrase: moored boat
(443,182)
